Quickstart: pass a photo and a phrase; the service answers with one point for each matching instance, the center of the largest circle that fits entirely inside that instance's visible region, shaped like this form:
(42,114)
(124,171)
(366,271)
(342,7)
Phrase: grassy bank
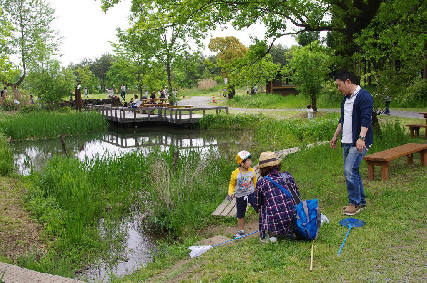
(388,248)
(71,199)
(42,125)
(266,132)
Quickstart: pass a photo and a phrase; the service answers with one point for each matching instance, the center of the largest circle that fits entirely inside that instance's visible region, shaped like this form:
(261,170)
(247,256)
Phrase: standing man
(123,88)
(355,126)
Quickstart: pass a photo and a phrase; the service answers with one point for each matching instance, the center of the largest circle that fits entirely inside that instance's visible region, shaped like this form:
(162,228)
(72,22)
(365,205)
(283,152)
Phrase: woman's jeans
(352,160)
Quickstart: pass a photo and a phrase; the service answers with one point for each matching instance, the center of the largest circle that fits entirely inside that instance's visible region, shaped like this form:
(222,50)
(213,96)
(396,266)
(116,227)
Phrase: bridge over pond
(155,114)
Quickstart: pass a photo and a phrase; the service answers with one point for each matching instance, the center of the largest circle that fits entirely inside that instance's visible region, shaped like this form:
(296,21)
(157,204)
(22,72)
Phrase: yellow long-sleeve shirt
(242,184)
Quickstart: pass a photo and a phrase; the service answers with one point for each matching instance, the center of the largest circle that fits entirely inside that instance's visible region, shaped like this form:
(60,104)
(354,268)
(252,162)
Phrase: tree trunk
(16,91)
(314,103)
(375,123)
(231,91)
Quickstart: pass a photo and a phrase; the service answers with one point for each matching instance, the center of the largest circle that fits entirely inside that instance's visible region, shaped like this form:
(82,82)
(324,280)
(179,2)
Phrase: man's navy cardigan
(362,116)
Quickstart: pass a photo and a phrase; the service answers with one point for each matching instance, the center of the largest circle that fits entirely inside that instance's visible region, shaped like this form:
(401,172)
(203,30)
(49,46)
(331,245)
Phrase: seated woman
(276,210)
(153,97)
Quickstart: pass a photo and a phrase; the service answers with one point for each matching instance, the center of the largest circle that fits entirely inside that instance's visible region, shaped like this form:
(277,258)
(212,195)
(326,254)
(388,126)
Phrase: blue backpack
(307,221)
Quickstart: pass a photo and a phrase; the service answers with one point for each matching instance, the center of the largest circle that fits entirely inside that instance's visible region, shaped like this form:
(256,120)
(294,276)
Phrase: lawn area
(390,247)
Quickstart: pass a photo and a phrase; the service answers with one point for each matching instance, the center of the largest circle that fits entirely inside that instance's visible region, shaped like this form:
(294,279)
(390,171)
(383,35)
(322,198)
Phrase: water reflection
(33,155)
(138,249)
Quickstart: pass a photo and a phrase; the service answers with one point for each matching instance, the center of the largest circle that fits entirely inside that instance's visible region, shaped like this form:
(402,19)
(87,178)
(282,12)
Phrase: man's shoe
(239,234)
(351,210)
(362,206)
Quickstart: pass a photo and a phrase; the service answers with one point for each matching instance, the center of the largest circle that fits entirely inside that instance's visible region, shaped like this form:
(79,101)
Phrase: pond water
(139,243)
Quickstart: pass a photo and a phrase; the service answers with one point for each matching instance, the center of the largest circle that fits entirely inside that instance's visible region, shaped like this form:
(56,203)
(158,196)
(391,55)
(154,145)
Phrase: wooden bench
(156,105)
(383,158)
(415,129)
(180,106)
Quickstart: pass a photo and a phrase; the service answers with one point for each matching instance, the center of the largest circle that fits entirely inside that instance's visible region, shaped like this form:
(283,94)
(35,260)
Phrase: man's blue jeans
(352,160)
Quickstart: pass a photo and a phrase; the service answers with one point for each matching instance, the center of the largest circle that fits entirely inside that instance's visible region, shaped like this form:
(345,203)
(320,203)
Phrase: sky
(86,30)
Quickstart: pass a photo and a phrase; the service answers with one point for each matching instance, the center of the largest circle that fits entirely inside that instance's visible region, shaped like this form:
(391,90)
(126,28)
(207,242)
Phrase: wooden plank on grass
(221,207)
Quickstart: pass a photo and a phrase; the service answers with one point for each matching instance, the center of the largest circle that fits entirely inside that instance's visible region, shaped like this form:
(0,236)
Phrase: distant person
(355,128)
(153,97)
(85,93)
(310,112)
(242,186)
(31,99)
(123,94)
(387,105)
(145,96)
(3,93)
(136,102)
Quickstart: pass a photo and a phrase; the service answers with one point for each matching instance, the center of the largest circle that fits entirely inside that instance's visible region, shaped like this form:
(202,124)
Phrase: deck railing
(155,114)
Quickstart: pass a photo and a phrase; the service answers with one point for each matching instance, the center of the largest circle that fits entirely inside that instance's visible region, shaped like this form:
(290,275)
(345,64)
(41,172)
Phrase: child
(310,112)
(242,186)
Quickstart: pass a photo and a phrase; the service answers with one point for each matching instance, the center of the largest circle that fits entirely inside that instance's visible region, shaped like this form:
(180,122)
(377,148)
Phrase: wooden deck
(124,115)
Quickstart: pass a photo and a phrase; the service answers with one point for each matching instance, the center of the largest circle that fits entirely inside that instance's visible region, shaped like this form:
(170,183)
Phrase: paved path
(206,101)
(16,274)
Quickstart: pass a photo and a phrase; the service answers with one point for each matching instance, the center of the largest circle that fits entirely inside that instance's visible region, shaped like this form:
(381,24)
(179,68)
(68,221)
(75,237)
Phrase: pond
(139,243)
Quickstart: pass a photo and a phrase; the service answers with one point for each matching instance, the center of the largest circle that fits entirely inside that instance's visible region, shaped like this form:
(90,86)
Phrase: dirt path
(19,234)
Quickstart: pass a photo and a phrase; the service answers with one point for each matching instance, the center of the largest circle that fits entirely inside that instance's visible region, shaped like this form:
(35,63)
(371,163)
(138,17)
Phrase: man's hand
(360,145)
(333,142)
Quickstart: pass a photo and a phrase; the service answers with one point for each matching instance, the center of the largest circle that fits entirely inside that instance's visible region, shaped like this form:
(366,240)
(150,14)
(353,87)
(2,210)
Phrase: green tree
(87,79)
(279,54)
(7,68)
(52,83)
(309,68)
(100,68)
(32,37)
(307,37)
(159,39)
(230,52)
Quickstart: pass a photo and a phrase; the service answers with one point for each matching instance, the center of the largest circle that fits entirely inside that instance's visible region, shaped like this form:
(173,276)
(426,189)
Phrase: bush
(415,95)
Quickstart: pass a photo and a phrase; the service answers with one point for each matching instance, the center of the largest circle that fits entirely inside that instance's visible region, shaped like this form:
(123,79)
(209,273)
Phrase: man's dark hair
(346,75)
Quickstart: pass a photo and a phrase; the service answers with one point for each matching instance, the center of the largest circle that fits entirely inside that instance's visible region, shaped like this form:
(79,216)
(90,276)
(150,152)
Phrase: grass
(6,156)
(42,125)
(388,248)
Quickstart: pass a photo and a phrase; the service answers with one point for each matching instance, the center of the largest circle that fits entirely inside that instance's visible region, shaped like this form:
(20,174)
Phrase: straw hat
(268,159)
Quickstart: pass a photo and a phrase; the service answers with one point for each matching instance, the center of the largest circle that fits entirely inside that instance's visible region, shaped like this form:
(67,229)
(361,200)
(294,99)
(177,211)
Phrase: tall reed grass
(272,134)
(6,156)
(175,193)
(41,125)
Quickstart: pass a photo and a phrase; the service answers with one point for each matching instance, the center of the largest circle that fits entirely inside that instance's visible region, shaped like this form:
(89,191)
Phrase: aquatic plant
(6,156)
(41,125)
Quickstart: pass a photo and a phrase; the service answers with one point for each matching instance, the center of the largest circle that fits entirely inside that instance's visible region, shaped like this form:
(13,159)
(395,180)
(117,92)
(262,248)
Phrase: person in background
(242,186)
(310,112)
(355,128)
(387,105)
(123,94)
(31,99)
(85,92)
(153,97)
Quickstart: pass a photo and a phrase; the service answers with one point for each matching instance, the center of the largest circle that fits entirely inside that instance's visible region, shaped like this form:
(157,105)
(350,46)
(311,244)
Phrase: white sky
(87,30)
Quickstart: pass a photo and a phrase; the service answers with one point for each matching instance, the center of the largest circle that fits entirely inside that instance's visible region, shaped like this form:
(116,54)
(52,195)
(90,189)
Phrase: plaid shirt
(277,209)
